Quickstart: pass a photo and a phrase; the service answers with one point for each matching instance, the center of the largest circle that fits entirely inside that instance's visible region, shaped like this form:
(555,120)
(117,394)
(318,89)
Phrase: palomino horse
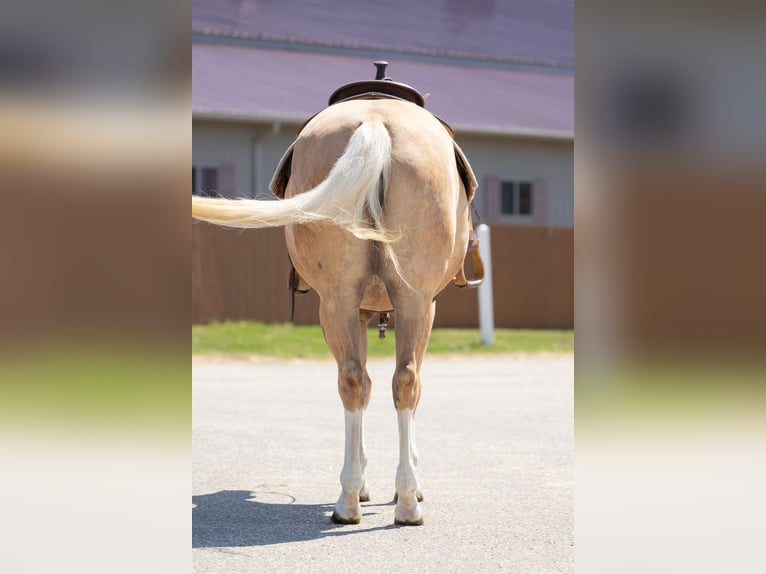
(376,208)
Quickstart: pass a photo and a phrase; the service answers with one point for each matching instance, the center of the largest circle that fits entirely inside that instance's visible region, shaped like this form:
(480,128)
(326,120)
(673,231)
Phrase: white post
(486,309)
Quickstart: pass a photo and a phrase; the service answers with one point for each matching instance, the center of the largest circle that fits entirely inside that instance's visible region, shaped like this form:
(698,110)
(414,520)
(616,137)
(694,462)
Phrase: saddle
(383,87)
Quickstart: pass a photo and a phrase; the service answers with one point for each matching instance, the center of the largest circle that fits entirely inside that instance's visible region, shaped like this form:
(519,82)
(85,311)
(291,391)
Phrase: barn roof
(533,30)
(489,67)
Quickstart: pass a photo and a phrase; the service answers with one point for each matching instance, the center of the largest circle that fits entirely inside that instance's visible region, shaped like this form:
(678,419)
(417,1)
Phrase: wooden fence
(243,275)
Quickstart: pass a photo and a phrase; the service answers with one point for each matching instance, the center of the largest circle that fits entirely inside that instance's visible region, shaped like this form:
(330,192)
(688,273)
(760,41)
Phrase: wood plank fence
(242,275)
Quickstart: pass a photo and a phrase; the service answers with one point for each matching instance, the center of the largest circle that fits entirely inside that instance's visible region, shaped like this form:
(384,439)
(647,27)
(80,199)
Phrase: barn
(501,74)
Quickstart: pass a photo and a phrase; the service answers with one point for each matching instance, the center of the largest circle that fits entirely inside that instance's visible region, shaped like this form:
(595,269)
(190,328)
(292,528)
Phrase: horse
(375,203)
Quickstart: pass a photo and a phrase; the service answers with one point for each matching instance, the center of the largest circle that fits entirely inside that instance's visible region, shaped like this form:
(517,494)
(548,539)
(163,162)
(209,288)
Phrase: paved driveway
(494,438)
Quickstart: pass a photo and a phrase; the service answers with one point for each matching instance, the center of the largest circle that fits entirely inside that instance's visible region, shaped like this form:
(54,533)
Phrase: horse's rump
(424,204)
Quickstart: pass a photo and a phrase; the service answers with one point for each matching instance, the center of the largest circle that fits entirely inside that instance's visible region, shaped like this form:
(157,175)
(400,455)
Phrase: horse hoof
(364,497)
(418,522)
(338,519)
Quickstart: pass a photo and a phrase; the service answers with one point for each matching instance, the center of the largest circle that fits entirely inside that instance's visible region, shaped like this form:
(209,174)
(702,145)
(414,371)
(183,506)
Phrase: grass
(76,384)
(673,390)
(306,341)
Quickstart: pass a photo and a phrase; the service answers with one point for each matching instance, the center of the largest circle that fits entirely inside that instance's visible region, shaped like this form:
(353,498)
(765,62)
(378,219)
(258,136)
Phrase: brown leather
(377,88)
(296,284)
(477,276)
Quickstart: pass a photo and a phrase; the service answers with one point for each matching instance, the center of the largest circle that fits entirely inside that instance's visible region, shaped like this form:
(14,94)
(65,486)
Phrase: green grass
(81,384)
(286,340)
(671,390)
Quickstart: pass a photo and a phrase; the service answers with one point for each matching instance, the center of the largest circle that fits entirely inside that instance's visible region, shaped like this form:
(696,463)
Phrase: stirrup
(477,264)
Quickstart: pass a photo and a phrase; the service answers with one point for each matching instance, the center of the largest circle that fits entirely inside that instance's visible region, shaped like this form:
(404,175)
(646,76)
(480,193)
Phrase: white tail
(348,198)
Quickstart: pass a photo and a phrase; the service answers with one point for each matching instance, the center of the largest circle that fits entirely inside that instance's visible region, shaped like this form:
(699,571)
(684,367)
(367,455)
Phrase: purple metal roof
(538,30)
(247,83)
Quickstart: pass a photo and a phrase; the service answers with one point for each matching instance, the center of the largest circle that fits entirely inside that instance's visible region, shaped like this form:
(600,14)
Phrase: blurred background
(95,396)
(670,277)
(668,174)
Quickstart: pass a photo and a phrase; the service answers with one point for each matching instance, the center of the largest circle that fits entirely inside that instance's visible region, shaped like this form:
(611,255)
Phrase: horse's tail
(349,197)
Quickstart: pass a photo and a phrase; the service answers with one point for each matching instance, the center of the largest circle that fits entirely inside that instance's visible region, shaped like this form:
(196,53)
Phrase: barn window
(516,198)
(206,181)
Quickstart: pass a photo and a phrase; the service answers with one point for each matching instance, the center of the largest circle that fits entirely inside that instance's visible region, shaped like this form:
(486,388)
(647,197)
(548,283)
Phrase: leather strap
(295,285)
(477,277)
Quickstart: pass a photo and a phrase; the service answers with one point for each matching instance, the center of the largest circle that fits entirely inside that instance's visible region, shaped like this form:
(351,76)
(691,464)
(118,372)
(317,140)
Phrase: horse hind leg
(342,330)
(364,321)
(414,452)
(413,328)
(413,448)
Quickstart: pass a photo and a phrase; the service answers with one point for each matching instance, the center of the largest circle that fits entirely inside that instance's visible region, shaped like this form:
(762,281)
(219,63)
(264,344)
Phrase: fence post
(486,306)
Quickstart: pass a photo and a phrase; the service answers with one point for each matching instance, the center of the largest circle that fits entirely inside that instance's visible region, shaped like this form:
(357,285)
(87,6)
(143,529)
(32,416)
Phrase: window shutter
(209,181)
(539,203)
(228,183)
(491,194)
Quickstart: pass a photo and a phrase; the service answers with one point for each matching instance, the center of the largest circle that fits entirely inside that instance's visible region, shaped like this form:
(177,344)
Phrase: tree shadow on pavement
(242,518)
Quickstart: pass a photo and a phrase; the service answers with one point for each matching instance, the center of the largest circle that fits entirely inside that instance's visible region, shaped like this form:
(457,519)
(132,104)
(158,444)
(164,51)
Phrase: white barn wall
(253,148)
(520,158)
(215,144)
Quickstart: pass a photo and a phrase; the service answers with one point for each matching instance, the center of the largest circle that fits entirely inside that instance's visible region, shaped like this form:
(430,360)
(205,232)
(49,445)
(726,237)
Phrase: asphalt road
(494,438)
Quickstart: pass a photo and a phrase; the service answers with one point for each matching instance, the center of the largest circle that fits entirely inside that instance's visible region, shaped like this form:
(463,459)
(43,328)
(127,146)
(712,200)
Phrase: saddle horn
(381,87)
(380,66)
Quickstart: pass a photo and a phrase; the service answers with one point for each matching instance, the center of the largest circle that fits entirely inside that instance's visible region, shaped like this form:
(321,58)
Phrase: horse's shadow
(259,518)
